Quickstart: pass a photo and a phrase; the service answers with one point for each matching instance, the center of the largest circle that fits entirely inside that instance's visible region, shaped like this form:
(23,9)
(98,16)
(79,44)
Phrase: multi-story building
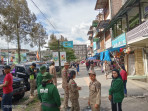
(80,51)
(126,33)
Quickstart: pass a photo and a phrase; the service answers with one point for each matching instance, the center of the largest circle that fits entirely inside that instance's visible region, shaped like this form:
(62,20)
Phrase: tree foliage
(53,44)
(18,24)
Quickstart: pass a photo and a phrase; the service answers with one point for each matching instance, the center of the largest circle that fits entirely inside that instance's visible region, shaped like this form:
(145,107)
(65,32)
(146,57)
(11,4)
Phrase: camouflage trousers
(66,97)
(93,107)
(75,105)
(32,86)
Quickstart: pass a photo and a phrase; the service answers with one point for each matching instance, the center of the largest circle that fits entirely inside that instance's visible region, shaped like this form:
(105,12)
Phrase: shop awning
(115,49)
(121,12)
(139,42)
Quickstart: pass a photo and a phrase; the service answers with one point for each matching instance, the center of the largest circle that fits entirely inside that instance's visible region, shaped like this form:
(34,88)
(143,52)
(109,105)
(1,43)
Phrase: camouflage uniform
(74,95)
(95,95)
(65,86)
(52,71)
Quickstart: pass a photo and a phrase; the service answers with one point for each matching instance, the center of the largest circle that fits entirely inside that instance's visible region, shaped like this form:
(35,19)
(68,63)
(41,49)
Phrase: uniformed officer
(52,71)
(48,94)
(73,91)
(32,73)
(94,92)
(39,75)
(65,84)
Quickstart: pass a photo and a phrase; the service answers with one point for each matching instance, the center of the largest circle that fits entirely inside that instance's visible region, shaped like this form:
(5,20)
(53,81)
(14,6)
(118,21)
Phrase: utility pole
(39,48)
(59,55)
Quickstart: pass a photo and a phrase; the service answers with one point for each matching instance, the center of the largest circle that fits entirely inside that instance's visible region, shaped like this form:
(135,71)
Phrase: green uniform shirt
(49,94)
(117,90)
(39,79)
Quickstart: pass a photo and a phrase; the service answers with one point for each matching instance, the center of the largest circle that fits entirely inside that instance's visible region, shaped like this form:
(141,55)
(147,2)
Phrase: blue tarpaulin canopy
(107,56)
(101,56)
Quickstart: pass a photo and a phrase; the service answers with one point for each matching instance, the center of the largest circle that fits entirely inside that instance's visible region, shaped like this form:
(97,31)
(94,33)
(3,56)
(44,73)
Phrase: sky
(71,18)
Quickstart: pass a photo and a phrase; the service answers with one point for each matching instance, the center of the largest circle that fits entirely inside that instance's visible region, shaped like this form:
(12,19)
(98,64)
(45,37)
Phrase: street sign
(68,44)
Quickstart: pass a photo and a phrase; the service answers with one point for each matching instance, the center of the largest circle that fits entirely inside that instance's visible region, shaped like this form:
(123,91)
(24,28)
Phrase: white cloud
(72,18)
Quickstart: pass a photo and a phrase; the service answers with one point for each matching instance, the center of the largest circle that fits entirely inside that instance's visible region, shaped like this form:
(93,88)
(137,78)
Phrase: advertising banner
(56,58)
(63,58)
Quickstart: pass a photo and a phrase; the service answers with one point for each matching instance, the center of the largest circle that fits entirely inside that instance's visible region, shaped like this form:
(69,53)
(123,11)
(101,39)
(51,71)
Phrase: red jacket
(123,74)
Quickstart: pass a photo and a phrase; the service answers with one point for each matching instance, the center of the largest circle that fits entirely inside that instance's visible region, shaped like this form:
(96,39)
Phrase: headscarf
(71,74)
(116,70)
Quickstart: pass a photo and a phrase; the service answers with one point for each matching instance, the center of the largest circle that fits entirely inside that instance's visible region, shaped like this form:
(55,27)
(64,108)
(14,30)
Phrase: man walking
(94,92)
(52,71)
(6,102)
(32,71)
(65,84)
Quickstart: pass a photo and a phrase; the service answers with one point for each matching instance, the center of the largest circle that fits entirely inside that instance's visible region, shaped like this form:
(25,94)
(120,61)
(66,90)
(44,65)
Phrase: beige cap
(92,72)
(66,64)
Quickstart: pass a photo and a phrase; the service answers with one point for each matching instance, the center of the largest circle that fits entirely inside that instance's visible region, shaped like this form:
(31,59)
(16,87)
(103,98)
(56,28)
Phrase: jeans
(124,83)
(6,102)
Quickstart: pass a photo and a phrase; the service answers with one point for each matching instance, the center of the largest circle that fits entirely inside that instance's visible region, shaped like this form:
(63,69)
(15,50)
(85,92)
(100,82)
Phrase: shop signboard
(63,58)
(108,44)
(68,44)
(94,46)
(119,41)
(55,58)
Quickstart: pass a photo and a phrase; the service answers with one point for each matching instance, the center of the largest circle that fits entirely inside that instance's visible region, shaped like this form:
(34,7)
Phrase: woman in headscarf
(116,91)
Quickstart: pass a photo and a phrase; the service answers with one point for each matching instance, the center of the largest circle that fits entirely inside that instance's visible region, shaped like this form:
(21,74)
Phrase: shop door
(131,64)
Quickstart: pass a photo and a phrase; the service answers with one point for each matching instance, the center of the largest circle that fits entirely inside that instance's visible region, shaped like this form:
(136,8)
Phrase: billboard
(67,44)
(63,58)
(55,58)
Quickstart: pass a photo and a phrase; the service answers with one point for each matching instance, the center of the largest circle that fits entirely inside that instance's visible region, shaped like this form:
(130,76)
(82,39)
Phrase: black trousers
(116,106)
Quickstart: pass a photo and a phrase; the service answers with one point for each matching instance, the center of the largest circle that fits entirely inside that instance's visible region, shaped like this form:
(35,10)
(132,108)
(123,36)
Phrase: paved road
(135,94)
(134,102)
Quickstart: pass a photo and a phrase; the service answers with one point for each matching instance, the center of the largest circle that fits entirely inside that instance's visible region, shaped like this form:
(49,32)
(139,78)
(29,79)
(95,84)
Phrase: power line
(43,14)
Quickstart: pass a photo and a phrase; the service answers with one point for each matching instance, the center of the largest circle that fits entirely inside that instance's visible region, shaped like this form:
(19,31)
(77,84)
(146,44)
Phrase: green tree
(16,22)
(53,44)
(39,36)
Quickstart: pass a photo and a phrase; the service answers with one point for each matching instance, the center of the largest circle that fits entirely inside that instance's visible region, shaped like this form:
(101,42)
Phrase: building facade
(123,31)
(80,51)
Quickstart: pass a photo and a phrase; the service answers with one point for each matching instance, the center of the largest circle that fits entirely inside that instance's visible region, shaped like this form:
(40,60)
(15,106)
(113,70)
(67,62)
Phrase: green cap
(46,77)
(42,68)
